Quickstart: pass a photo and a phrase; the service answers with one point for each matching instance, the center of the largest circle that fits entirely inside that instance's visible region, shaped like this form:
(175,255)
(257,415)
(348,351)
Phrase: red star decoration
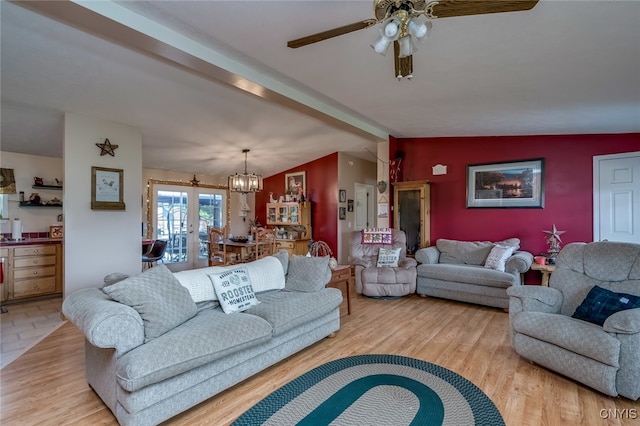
(107,148)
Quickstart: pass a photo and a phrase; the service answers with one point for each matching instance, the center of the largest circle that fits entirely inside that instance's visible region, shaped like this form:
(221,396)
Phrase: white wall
(351,170)
(97,243)
(25,168)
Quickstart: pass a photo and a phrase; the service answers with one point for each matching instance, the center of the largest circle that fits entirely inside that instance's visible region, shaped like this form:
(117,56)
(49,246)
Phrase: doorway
(363,206)
(616,197)
(180,214)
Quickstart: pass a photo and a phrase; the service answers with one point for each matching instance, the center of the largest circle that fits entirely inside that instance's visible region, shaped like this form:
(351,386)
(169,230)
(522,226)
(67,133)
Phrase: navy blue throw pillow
(601,303)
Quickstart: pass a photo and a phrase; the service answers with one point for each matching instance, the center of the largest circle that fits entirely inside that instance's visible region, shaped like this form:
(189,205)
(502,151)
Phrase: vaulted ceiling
(205,79)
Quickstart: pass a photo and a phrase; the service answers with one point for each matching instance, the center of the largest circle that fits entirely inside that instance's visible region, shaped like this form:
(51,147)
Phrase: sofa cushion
(498,257)
(286,309)
(398,275)
(265,274)
(158,297)
(234,290)
(208,336)
(469,252)
(469,274)
(388,257)
(580,337)
(308,273)
(601,303)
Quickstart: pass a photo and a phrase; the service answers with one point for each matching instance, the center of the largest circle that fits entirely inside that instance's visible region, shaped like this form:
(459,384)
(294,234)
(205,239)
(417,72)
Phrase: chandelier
(403,25)
(246,182)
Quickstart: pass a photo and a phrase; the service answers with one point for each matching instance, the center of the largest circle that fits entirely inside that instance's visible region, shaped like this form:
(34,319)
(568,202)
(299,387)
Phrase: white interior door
(363,206)
(616,197)
(181,215)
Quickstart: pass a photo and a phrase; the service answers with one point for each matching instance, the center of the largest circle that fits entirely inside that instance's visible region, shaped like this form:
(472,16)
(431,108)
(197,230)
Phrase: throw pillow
(601,303)
(158,297)
(498,257)
(113,278)
(308,273)
(234,290)
(388,257)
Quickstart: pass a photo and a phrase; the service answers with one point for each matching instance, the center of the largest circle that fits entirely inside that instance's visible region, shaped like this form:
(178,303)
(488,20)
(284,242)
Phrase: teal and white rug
(376,390)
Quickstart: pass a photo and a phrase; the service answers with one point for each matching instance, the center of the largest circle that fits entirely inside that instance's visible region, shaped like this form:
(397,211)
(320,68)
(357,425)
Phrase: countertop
(29,241)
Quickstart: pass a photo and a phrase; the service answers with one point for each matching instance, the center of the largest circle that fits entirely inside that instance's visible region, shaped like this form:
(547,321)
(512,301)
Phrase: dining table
(244,251)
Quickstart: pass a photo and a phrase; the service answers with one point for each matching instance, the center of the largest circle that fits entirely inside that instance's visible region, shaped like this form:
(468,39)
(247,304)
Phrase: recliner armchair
(375,281)
(605,358)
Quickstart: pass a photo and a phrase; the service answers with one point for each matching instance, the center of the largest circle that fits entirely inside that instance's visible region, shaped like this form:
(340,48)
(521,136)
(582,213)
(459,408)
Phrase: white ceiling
(564,67)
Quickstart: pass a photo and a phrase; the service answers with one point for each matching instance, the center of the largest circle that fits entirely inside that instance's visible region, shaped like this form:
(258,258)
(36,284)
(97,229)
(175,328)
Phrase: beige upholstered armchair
(383,281)
(584,325)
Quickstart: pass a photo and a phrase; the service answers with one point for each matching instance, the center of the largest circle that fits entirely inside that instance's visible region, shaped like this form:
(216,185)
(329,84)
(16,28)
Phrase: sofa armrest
(519,262)
(534,299)
(407,262)
(104,322)
(429,255)
(623,322)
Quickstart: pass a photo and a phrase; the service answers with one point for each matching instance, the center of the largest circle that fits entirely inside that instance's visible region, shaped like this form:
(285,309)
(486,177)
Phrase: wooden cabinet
(292,217)
(411,213)
(33,270)
(4,255)
(298,247)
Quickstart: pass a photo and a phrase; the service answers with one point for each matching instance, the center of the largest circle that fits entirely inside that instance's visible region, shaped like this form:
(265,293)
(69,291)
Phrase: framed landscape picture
(518,184)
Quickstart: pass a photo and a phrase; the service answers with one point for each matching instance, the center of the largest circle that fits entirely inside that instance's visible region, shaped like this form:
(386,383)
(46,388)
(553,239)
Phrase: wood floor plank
(46,386)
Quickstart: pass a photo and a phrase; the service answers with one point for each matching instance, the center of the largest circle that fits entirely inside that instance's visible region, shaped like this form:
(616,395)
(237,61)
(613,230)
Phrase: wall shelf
(27,204)
(46,187)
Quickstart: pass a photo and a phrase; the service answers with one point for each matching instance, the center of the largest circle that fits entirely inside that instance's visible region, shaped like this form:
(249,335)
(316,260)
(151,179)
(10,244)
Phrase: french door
(180,215)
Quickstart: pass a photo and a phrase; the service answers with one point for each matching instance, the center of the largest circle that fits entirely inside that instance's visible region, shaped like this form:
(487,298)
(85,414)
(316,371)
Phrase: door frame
(596,186)
(151,183)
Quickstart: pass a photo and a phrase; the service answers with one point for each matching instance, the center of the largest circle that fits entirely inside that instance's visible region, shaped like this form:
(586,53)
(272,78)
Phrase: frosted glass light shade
(381,45)
(417,29)
(406,47)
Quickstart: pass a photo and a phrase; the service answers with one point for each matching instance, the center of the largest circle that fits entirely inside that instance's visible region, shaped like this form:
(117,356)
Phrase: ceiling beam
(120,25)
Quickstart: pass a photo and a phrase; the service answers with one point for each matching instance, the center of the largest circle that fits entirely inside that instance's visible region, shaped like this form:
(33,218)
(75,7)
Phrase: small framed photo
(342,196)
(296,184)
(107,189)
(342,213)
(518,184)
(55,232)
(349,205)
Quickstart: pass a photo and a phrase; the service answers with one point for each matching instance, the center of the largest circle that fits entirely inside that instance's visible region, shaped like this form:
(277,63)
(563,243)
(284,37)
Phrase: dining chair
(217,242)
(155,254)
(265,240)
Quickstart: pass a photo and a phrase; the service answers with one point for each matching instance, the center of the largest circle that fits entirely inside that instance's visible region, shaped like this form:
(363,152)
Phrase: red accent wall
(322,185)
(568,182)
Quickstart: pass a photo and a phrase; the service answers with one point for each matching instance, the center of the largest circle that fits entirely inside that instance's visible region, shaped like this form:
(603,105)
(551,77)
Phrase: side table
(342,274)
(545,270)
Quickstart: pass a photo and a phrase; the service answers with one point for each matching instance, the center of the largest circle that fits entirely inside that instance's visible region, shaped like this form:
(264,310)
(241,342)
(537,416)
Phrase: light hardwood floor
(46,386)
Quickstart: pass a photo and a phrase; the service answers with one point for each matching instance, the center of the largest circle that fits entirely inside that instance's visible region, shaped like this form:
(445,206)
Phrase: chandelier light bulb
(391,28)
(418,30)
(381,45)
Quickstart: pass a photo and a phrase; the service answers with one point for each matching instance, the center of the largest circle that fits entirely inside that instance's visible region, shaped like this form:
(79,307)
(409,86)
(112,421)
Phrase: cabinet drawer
(23,262)
(26,288)
(287,245)
(4,252)
(341,274)
(46,271)
(34,250)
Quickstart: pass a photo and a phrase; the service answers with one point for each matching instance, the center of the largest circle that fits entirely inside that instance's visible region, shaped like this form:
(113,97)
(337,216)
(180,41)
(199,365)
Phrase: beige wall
(351,170)
(25,168)
(99,242)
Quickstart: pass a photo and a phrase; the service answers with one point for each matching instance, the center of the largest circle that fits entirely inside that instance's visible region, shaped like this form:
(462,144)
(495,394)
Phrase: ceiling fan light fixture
(391,28)
(381,45)
(417,29)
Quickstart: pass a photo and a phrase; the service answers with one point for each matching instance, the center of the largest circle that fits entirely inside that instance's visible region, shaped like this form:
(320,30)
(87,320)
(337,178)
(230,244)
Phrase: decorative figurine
(38,181)
(553,239)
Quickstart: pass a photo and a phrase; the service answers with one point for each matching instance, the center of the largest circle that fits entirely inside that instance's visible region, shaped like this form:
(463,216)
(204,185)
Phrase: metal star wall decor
(553,239)
(194,181)
(107,148)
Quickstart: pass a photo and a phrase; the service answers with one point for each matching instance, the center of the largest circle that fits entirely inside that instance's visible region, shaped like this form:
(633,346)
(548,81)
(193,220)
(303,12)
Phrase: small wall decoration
(506,185)
(107,189)
(383,209)
(349,205)
(342,212)
(342,196)
(55,232)
(295,184)
(107,148)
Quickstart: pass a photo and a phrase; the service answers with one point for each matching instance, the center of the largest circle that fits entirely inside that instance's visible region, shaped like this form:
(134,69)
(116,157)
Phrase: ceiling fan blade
(331,33)
(451,8)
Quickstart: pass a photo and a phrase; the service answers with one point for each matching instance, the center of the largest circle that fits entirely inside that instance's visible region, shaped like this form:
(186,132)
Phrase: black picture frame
(515,184)
(349,205)
(342,196)
(342,213)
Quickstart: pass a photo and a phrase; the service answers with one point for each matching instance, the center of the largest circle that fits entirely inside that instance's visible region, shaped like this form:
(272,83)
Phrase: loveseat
(472,271)
(586,324)
(167,345)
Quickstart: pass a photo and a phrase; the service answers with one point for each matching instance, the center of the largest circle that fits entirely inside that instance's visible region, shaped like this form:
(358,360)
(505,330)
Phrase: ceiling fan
(405,21)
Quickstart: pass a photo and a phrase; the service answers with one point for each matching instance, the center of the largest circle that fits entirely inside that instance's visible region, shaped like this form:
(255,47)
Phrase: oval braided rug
(376,390)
